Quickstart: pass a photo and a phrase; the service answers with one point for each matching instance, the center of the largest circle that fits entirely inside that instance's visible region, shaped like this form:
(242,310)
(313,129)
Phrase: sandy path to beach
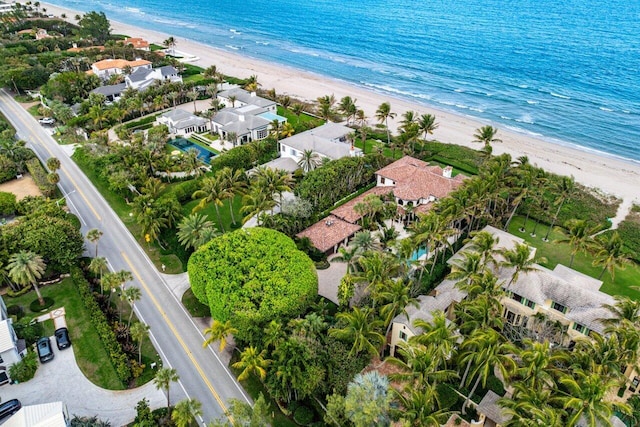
(611,175)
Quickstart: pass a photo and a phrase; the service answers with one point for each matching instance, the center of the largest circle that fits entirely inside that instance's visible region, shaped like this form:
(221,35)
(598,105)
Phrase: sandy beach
(609,174)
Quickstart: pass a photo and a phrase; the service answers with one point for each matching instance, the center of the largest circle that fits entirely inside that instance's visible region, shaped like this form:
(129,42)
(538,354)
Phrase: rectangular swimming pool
(184,144)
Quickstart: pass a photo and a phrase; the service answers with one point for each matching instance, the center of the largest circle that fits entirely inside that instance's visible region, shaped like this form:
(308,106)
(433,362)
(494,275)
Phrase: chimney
(446,172)
(253,94)
(241,117)
(75,45)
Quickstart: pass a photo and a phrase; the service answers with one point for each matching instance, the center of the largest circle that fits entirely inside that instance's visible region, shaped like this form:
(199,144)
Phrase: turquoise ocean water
(566,71)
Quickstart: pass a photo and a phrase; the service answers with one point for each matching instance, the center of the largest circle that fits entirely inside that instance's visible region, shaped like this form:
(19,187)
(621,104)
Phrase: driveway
(62,380)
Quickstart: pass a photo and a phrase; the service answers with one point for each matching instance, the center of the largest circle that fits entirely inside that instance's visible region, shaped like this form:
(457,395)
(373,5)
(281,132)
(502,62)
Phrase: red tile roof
(137,42)
(414,179)
(329,232)
(107,64)
(346,211)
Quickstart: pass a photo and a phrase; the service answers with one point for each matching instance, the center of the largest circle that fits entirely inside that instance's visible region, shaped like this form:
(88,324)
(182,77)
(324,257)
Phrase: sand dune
(611,175)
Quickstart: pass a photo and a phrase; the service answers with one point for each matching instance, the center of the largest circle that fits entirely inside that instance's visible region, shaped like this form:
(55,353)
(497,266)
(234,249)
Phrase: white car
(46,121)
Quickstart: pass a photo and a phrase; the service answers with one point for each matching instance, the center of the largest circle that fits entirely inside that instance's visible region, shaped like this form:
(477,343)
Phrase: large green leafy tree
(57,240)
(252,276)
(70,87)
(94,26)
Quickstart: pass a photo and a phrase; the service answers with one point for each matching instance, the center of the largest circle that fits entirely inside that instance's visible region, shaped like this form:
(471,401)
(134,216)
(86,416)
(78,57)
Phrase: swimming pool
(184,144)
(418,253)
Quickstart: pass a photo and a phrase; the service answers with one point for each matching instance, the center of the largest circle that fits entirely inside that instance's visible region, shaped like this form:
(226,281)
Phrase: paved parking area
(62,380)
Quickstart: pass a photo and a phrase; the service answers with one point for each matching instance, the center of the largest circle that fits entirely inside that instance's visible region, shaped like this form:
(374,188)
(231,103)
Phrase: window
(403,336)
(530,304)
(581,328)
(261,134)
(518,298)
(1,360)
(381,180)
(557,306)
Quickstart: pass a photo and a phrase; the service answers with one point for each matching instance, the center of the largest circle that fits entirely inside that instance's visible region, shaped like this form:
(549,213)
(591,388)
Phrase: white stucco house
(142,78)
(244,97)
(12,349)
(327,141)
(248,122)
(53,414)
(182,123)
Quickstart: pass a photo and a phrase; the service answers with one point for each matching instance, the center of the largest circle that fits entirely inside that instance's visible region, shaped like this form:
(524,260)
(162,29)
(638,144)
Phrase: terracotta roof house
(415,184)
(244,97)
(108,67)
(136,43)
(327,235)
(327,141)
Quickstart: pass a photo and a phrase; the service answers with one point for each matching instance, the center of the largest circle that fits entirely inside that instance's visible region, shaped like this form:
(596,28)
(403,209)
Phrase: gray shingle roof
(328,140)
(139,75)
(490,408)
(177,114)
(110,90)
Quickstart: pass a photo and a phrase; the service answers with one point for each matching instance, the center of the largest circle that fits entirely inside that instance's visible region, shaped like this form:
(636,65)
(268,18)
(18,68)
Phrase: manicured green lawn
(294,120)
(193,306)
(210,211)
(87,346)
(560,253)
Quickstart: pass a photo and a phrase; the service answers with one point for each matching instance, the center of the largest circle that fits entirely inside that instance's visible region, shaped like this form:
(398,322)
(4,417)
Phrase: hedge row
(99,321)
(39,175)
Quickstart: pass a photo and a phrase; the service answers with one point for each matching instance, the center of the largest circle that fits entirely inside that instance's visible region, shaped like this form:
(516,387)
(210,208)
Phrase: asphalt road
(179,342)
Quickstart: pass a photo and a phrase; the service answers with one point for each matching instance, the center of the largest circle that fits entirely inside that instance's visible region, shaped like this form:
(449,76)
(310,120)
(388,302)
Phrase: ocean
(568,71)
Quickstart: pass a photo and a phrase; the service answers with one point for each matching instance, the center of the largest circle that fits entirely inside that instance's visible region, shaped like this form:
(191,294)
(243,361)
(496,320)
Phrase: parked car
(47,121)
(9,407)
(45,352)
(62,338)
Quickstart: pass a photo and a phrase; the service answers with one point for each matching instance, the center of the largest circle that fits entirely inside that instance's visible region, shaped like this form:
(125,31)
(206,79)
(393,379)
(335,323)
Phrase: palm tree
(93,236)
(610,254)
(212,191)
(585,397)
(98,266)
(233,99)
(219,331)
(297,109)
(309,161)
(234,184)
(383,114)
(486,135)
(578,236)
(348,107)
(396,298)
(195,230)
(193,95)
(170,43)
(53,164)
(625,308)
(185,412)
(139,331)
(164,378)
(232,137)
(427,124)
(252,362)
(360,326)
(563,190)
(438,334)
(419,407)
(25,268)
(519,258)
(491,351)
(131,295)
(539,364)
(256,202)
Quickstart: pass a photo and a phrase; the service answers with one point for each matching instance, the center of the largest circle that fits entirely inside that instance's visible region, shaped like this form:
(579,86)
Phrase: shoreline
(607,172)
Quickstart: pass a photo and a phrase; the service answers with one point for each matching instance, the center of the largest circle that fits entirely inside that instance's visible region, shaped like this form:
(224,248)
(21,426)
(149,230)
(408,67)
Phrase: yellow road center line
(180,340)
(44,145)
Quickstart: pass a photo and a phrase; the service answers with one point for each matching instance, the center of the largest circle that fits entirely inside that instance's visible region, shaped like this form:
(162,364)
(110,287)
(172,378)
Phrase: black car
(62,338)
(45,352)
(9,407)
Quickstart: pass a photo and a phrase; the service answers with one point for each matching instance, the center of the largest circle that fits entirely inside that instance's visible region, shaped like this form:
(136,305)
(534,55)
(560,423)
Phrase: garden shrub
(7,203)
(303,415)
(25,369)
(28,330)
(253,276)
(16,310)
(100,323)
(8,168)
(13,294)
(629,231)
(39,176)
(448,396)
